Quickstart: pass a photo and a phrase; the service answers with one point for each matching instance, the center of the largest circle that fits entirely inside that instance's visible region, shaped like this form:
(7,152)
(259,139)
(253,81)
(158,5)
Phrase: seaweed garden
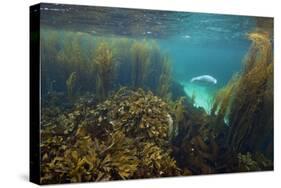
(131,94)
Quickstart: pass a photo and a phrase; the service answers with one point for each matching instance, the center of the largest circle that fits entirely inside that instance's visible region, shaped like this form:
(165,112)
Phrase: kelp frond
(223,98)
(244,99)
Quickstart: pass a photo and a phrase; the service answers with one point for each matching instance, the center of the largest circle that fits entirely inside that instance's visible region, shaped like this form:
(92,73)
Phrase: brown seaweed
(140,63)
(117,139)
(247,97)
(105,70)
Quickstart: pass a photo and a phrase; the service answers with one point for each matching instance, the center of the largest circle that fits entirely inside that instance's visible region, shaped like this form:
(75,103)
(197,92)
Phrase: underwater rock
(177,91)
(194,147)
(140,113)
(125,137)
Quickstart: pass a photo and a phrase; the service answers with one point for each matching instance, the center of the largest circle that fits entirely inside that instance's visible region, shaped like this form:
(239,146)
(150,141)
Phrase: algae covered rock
(140,114)
(124,137)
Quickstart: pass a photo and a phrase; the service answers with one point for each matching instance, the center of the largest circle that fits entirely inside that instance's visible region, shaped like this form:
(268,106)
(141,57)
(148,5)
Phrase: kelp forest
(111,110)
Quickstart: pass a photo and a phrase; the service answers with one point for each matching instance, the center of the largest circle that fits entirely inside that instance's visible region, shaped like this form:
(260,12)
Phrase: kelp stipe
(66,55)
(101,65)
(140,63)
(70,84)
(104,69)
(164,82)
(122,60)
(178,110)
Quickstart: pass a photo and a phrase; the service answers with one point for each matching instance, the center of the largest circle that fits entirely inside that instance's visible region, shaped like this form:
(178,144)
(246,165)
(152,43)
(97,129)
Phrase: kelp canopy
(110,115)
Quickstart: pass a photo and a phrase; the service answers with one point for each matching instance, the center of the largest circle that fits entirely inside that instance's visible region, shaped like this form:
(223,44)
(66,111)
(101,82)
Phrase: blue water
(215,47)
(197,44)
(191,59)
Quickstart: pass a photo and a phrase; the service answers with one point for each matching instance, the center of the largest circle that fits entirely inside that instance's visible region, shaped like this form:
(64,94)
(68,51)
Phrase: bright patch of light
(203,95)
